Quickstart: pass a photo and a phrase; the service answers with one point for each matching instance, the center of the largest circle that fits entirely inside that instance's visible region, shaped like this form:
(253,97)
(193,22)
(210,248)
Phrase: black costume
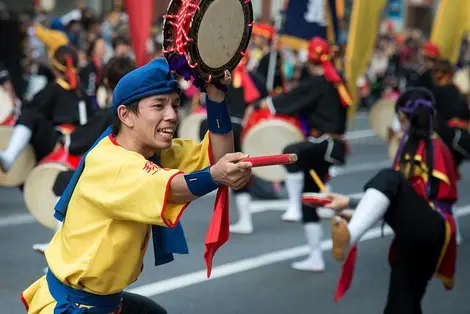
(50,108)
(317,101)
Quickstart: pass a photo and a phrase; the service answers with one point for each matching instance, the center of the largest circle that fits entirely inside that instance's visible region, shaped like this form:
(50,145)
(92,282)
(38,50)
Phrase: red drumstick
(315,199)
(272,160)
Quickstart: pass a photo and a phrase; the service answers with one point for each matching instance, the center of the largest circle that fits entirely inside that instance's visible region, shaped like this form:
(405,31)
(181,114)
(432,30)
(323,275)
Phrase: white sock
(295,185)
(371,208)
(18,141)
(314,233)
(243,201)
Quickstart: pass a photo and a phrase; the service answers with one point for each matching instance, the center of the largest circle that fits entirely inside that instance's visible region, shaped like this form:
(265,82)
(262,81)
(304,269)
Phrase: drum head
(381,117)
(190,126)
(270,137)
(220,32)
(6,105)
(22,166)
(393,146)
(39,195)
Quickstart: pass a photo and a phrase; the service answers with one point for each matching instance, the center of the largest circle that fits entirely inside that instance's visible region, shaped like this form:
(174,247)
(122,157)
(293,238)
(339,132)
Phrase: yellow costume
(119,195)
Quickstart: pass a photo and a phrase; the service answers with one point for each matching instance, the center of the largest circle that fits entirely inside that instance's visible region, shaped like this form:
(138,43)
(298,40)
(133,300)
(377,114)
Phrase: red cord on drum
(181,23)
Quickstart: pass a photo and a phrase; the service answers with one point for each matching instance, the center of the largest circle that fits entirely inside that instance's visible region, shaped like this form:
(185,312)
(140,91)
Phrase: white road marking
(359,134)
(17,219)
(247,264)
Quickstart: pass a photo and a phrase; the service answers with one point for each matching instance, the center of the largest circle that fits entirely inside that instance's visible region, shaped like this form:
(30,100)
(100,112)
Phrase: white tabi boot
(18,141)
(369,211)
(294,186)
(244,224)
(314,262)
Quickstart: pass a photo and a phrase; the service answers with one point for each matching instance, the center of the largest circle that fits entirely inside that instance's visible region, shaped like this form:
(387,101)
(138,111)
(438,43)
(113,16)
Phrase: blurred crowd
(397,57)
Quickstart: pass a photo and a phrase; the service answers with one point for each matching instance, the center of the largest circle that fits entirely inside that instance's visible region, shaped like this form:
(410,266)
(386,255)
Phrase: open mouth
(166,133)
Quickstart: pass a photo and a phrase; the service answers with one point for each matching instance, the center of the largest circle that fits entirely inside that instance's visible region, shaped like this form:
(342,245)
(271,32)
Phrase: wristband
(201,182)
(218,117)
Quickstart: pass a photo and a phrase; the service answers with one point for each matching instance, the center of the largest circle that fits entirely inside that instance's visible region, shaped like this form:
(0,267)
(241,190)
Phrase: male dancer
(82,139)
(322,100)
(136,180)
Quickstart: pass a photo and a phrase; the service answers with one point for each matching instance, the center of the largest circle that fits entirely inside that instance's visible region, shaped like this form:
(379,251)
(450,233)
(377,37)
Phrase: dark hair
(117,124)
(92,45)
(442,72)
(116,68)
(120,40)
(419,107)
(66,51)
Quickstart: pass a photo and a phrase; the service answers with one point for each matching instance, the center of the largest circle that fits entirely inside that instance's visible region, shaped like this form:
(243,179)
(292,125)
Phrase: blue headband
(154,78)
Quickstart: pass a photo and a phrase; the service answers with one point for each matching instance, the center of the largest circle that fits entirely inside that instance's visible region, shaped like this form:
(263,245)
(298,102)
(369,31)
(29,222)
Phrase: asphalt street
(251,273)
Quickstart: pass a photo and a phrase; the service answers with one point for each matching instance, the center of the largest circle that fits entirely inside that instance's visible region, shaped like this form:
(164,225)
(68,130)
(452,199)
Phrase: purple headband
(411,105)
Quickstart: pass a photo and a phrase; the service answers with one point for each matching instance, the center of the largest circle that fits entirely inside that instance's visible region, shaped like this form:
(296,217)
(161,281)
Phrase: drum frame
(43,209)
(26,161)
(201,69)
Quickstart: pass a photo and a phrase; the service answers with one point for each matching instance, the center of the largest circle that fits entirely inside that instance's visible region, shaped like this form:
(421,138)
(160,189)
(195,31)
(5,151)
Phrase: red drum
(38,188)
(7,107)
(190,125)
(22,165)
(267,134)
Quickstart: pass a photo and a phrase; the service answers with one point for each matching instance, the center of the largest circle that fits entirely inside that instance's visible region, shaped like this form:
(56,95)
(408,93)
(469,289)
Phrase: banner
(140,21)
(363,30)
(450,24)
(305,19)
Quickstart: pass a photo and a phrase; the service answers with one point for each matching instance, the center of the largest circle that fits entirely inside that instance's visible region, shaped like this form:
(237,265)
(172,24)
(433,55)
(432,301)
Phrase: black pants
(317,154)
(44,135)
(137,304)
(237,132)
(419,237)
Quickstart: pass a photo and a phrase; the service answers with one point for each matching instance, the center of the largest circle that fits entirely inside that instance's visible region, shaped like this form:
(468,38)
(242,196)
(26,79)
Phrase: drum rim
(276,122)
(29,186)
(217,73)
(204,71)
(381,105)
(28,150)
